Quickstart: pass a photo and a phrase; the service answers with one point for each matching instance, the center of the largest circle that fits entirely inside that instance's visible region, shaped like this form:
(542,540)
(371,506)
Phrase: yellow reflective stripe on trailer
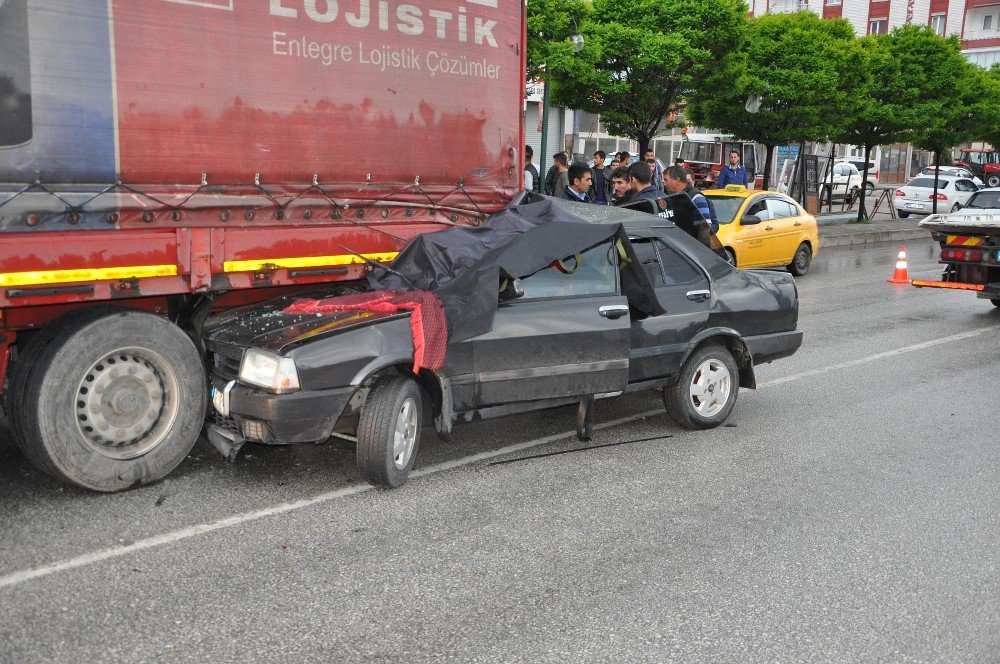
(964,241)
(85,274)
(305,261)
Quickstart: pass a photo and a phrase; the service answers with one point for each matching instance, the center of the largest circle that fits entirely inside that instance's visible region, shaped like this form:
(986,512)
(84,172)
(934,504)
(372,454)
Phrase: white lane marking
(192,531)
(879,356)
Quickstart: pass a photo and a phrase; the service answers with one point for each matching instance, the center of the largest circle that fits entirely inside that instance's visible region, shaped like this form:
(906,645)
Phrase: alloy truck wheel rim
(127,403)
(710,387)
(404,437)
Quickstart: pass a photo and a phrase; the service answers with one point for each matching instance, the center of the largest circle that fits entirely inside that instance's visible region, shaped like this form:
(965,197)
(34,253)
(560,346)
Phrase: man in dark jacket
(559,165)
(622,186)
(580,182)
(600,191)
(530,170)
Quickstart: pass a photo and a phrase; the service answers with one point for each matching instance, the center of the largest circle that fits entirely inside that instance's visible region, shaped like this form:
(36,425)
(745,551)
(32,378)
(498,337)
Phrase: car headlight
(269,371)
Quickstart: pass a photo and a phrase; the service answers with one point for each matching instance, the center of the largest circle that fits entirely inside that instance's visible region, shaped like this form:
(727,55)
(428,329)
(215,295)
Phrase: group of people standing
(623,183)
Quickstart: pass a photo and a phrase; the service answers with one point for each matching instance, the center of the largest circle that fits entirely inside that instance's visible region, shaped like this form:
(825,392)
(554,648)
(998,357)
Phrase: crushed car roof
(464,265)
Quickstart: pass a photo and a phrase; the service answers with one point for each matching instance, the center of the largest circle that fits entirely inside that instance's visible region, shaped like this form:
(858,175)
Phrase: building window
(988,22)
(937,24)
(878,26)
(832,2)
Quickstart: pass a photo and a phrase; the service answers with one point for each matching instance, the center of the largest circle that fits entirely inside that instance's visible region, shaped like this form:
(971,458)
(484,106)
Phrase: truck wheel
(705,392)
(801,261)
(389,431)
(115,399)
(993,181)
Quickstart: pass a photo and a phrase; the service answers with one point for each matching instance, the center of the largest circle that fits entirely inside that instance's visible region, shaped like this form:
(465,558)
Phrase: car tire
(389,431)
(956,207)
(730,256)
(869,187)
(993,181)
(712,371)
(996,302)
(143,421)
(902,215)
(801,260)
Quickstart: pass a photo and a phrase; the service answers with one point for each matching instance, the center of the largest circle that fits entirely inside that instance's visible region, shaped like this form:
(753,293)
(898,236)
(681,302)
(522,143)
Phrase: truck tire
(705,392)
(993,181)
(389,431)
(115,398)
(27,361)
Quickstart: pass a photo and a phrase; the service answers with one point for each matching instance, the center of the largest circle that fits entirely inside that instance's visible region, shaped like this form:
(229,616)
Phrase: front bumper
(770,347)
(277,419)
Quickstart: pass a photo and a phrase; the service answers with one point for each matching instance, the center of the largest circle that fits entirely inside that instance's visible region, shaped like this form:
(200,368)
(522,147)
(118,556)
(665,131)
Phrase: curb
(869,237)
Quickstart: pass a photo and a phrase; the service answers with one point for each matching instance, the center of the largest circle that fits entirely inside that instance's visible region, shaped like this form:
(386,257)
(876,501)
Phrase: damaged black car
(547,303)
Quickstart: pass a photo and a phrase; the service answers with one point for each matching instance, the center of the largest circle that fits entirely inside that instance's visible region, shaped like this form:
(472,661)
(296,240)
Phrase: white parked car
(916,196)
(872,181)
(954,172)
(845,180)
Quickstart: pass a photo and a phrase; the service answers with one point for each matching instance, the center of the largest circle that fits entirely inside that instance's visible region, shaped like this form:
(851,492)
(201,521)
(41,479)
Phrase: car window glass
(984,201)
(965,185)
(726,207)
(593,271)
(927,183)
(778,209)
(841,169)
(649,258)
(758,208)
(676,269)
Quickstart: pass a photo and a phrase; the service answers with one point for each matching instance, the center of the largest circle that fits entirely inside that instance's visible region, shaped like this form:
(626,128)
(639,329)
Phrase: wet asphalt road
(849,512)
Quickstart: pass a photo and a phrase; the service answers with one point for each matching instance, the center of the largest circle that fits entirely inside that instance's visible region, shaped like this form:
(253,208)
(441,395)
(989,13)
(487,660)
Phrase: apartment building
(976,22)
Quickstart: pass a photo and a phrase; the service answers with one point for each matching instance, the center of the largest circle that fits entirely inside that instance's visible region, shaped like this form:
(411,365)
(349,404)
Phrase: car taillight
(940,197)
(876,175)
(961,255)
(899,192)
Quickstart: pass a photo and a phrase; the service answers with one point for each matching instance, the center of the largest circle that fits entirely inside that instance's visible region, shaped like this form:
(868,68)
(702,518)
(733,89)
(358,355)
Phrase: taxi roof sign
(735,187)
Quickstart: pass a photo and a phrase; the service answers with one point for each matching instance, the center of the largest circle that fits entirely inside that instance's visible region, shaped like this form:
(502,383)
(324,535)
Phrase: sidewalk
(838,229)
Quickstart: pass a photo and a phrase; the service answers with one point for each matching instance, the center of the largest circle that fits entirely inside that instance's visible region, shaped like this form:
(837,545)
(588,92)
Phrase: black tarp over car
(464,266)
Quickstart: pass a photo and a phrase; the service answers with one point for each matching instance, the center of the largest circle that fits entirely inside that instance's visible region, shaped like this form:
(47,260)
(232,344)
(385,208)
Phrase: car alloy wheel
(706,389)
(710,387)
(405,436)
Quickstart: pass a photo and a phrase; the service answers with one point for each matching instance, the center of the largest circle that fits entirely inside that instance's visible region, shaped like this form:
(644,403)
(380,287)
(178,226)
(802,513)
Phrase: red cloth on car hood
(427,321)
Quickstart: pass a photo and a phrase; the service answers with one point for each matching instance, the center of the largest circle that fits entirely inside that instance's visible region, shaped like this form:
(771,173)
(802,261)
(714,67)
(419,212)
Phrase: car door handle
(613,311)
(798,223)
(768,228)
(699,295)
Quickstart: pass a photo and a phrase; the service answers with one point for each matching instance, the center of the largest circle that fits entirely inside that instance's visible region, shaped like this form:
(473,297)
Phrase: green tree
(988,121)
(640,57)
(896,97)
(952,94)
(804,69)
(550,24)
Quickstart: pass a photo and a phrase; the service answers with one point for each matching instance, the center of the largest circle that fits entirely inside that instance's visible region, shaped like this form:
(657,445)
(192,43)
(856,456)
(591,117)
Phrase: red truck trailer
(164,159)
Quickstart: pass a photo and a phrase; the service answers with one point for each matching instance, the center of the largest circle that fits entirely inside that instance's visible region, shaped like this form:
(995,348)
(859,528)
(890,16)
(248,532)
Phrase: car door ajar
(659,343)
(566,336)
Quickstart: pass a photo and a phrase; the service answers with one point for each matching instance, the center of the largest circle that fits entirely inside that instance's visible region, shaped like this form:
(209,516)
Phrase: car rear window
(726,207)
(927,183)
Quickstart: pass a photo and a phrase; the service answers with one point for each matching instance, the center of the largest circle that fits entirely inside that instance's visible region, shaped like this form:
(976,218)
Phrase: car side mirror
(750,220)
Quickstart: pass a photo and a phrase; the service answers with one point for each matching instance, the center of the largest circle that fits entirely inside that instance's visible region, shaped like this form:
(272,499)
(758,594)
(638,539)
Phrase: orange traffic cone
(901,275)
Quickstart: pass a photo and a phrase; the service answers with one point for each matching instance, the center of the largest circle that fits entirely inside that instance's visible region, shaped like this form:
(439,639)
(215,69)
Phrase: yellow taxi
(763,229)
